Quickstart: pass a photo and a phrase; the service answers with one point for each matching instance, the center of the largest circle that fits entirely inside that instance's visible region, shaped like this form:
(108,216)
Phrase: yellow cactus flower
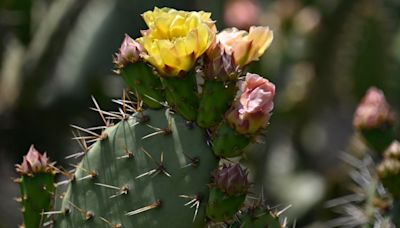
(176,39)
(245,46)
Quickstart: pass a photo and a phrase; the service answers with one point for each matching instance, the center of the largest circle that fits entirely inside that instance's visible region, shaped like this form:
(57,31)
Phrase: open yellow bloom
(175,39)
(245,46)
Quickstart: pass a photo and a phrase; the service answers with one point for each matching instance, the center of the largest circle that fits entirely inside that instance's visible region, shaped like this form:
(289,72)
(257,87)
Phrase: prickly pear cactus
(142,174)
(377,177)
(158,167)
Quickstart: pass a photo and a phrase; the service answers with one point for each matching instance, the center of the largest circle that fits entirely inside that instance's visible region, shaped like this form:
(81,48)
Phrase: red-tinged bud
(33,162)
(252,109)
(232,180)
(373,111)
(219,64)
(129,52)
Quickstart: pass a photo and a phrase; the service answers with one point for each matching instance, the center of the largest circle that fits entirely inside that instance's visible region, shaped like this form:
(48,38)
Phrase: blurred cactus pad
(171,154)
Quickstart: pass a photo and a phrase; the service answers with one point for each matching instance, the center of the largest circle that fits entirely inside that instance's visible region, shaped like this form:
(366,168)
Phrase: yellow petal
(175,39)
(261,38)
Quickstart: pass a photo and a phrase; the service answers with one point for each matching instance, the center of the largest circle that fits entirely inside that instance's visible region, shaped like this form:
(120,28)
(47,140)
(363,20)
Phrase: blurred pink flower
(242,13)
(373,110)
(33,162)
(251,111)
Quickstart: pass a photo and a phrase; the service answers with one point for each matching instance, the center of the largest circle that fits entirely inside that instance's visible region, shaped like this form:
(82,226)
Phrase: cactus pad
(142,174)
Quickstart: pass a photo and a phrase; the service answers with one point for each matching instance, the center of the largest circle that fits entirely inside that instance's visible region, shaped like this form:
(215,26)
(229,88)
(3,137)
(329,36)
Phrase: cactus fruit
(215,101)
(228,142)
(37,187)
(144,84)
(220,75)
(228,192)
(181,95)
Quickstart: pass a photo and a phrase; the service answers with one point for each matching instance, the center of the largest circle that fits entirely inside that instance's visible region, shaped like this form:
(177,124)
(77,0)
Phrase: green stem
(181,94)
(216,98)
(141,80)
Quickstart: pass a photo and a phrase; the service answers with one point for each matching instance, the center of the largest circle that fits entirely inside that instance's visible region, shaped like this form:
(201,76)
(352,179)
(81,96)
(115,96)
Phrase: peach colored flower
(373,111)
(252,110)
(245,46)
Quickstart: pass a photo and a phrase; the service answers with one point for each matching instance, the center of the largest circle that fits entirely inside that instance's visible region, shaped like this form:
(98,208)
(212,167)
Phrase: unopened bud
(33,162)
(373,111)
(219,65)
(129,52)
(232,180)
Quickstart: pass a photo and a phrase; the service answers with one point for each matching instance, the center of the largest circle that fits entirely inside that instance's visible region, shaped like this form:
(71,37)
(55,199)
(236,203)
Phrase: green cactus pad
(37,193)
(181,94)
(216,98)
(142,177)
(229,143)
(257,217)
(142,81)
(222,207)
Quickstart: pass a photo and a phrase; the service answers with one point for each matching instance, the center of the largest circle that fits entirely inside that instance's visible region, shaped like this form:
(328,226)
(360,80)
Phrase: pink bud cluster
(33,162)
(373,111)
(129,52)
(251,110)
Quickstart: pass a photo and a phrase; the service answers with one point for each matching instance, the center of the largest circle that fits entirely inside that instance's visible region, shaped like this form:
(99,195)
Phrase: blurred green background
(54,54)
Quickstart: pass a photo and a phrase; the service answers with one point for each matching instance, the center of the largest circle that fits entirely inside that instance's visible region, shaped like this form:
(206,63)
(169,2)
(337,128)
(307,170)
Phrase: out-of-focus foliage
(325,55)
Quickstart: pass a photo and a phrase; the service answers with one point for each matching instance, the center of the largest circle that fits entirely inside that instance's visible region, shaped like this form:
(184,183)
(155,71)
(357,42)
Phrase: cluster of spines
(377,197)
(91,137)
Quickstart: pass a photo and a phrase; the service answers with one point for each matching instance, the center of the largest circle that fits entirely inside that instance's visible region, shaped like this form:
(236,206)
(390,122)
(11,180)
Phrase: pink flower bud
(219,65)
(33,162)
(129,52)
(231,179)
(252,109)
(373,111)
